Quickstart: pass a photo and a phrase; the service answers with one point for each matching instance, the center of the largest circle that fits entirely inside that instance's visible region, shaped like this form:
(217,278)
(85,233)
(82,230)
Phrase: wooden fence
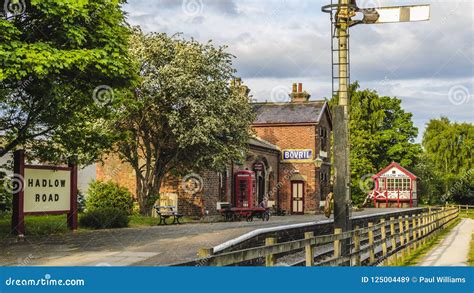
(385,242)
(465,208)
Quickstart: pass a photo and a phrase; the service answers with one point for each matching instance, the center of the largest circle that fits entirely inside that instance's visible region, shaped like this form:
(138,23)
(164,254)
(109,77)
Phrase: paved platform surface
(149,246)
(453,249)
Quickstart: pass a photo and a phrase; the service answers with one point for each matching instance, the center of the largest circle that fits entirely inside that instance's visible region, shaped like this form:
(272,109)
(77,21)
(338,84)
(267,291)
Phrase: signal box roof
(397,166)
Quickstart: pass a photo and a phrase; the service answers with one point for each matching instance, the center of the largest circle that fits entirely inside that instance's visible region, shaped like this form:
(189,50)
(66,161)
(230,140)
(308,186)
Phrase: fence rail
(465,208)
(385,242)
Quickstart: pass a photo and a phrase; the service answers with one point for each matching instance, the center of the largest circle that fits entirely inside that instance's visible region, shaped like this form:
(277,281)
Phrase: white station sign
(46,190)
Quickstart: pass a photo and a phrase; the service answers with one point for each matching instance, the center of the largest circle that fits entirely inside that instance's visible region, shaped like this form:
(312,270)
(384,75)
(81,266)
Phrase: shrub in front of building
(102,195)
(5,197)
(104,218)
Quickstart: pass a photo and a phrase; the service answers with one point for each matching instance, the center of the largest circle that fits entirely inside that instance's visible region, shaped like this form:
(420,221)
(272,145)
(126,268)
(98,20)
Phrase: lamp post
(343,16)
(318,162)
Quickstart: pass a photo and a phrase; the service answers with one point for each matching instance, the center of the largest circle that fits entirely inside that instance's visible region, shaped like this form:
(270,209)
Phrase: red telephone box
(245,189)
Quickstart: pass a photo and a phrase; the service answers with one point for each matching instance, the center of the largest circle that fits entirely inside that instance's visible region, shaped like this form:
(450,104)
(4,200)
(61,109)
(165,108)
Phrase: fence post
(438,219)
(205,253)
(402,239)
(384,241)
(420,230)
(309,250)
(413,229)
(337,244)
(393,240)
(270,258)
(356,246)
(407,234)
(427,228)
(430,221)
(371,242)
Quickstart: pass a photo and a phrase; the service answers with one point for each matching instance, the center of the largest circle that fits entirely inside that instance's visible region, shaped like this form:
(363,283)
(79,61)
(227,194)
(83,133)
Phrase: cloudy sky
(429,65)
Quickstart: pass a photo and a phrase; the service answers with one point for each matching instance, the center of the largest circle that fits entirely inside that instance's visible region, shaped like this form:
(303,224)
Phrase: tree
(61,64)
(448,147)
(380,132)
(183,115)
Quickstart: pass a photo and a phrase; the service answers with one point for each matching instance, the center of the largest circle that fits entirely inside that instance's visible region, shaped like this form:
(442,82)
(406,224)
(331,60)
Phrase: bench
(168,212)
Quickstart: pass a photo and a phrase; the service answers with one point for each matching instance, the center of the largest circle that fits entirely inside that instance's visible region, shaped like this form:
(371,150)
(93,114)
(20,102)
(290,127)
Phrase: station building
(302,130)
(290,156)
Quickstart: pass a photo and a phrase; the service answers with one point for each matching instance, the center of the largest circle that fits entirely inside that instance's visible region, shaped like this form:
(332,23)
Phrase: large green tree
(449,149)
(62,66)
(380,132)
(184,114)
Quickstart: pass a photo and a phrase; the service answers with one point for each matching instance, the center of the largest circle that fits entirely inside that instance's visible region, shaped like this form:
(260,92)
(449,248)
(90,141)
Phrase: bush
(109,195)
(103,218)
(5,197)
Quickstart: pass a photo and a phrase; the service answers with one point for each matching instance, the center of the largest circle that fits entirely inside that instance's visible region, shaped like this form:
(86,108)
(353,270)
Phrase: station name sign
(296,155)
(47,190)
(43,190)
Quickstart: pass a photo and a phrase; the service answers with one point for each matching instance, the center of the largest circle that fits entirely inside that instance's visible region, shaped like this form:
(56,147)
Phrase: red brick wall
(294,137)
(288,137)
(189,204)
(114,170)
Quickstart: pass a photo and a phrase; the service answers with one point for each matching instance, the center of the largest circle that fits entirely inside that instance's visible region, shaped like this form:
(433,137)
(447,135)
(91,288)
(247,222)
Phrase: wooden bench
(167,212)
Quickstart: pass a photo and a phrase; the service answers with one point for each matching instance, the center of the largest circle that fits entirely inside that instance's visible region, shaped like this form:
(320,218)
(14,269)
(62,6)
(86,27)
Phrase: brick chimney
(298,95)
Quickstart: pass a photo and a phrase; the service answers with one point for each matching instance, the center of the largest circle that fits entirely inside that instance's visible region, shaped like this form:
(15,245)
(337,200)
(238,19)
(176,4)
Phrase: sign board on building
(393,172)
(297,155)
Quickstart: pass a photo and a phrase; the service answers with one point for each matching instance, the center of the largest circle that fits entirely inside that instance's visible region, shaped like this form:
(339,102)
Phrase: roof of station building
(289,113)
(257,141)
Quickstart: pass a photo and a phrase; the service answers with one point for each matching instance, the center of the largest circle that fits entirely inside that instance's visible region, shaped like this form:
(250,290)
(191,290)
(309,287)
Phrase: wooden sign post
(43,190)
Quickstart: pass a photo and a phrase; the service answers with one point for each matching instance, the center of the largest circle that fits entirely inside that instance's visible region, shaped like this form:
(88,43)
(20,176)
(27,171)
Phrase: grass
(57,224)
(36,225)
(417,255)
(467,214)
(470,258)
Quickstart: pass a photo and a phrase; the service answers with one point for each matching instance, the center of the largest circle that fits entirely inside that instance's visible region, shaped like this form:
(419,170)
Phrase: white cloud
(278,42)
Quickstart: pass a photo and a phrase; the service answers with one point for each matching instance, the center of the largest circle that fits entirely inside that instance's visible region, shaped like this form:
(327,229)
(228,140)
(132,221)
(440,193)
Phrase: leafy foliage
(183,114)
(5,198)
(104,218)
(52,57)
(108,195)
(448,148)
(380,132)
